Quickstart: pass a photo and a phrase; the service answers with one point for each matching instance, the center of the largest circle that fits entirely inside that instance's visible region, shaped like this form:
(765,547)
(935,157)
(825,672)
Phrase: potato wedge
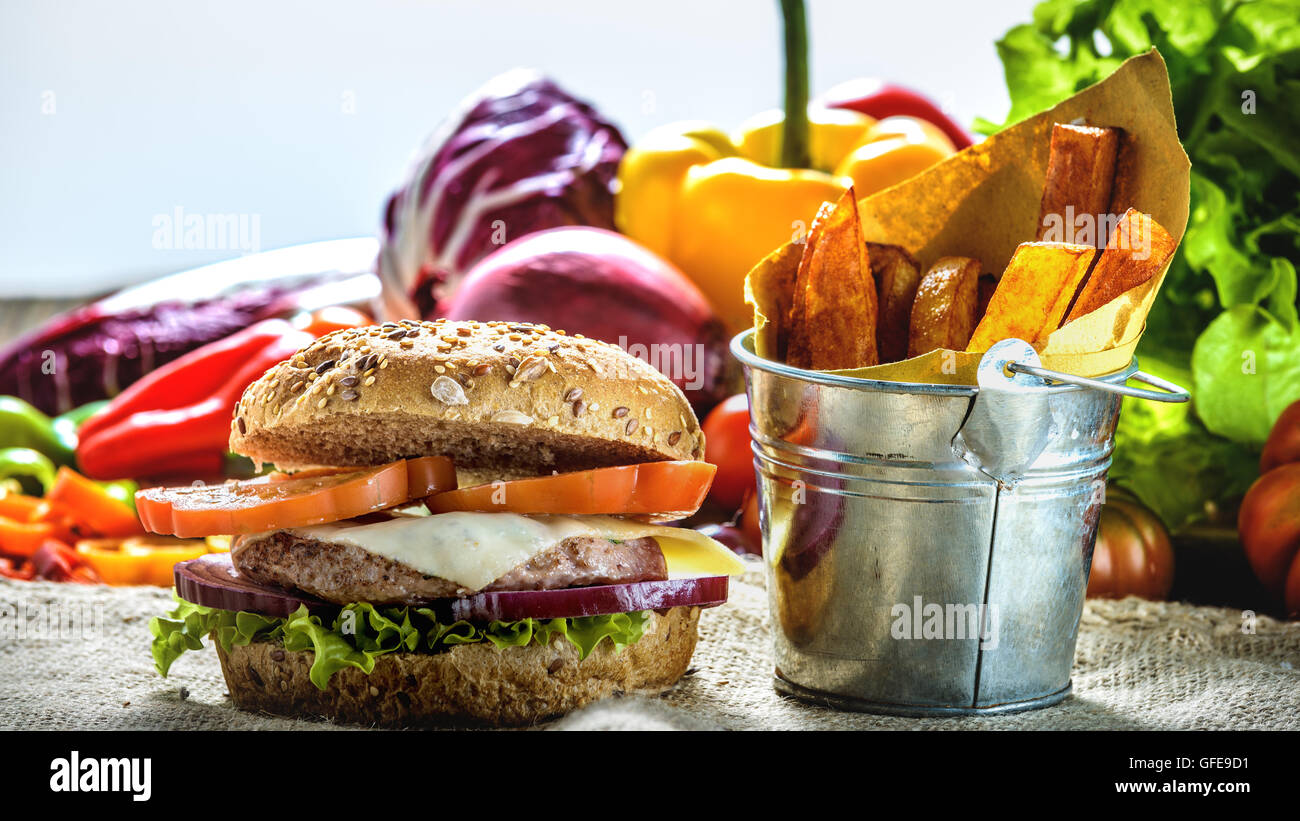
(797,350)
(1034,293)
(1080,176)
(897,276)
(987,285)
(1138,249)
(833,320)
(770,285)
(943,313)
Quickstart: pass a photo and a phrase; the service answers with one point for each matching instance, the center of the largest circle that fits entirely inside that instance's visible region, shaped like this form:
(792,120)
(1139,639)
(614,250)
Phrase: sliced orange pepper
(92,505)
(23,538)
(18,507)
(67,527)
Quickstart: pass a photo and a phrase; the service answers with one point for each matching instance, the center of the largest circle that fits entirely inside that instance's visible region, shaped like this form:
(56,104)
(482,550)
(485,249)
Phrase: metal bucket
(927,546)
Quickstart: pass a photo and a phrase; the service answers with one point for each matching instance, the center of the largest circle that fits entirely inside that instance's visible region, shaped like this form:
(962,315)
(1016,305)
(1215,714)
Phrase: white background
(238,107)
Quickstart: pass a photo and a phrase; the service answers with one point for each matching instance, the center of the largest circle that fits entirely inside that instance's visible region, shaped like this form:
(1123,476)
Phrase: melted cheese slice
(475,549)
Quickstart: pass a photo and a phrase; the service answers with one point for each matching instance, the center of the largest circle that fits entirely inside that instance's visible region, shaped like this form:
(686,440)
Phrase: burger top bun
(503,399)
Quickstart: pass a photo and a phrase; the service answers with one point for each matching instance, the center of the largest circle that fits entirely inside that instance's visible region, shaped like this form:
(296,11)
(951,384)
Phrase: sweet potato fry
(833,319)
(897,276)
(1034,293)
(1138,249)
(943,313)
(1080,175)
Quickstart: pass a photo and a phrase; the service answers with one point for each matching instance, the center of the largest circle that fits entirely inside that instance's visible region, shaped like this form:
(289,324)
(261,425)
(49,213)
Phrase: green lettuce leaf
(1245,372)
(361,633)
(1227,315)
(1158,441)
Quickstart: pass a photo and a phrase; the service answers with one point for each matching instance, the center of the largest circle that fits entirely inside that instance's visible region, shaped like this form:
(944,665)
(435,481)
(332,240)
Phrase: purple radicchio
(519,155)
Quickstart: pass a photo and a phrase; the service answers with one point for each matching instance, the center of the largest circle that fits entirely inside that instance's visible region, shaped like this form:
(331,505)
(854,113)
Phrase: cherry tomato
(1133,555)
(1269,525)
(727,445)
(1283,443)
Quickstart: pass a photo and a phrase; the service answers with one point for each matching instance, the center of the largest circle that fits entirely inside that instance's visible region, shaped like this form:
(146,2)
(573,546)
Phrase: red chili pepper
(189,379)
(180,421)
(879,99)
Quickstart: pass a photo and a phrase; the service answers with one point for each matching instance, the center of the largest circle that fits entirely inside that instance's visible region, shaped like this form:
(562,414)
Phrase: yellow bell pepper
(144,560)
(715,205)
(832,134)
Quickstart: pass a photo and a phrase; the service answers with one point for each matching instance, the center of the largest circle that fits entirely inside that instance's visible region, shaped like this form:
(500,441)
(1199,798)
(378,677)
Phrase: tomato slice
(664,491)
(282,501)
(425,475)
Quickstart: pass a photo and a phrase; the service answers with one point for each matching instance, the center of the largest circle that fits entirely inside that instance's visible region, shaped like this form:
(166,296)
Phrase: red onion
(511,605)
(212,581)
(603,285)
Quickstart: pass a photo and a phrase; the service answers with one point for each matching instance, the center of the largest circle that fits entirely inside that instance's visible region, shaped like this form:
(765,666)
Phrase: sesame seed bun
(468,684)
(503,399)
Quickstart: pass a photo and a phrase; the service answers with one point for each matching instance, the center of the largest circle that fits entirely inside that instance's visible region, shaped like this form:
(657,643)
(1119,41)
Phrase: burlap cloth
(1139,665)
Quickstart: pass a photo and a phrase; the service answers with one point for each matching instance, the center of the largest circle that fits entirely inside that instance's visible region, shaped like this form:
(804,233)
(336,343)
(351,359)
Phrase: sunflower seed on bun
(506,398)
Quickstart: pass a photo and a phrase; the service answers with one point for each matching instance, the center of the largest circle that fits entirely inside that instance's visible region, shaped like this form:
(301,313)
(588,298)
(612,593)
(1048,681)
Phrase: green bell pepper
(23,426)
(19,463)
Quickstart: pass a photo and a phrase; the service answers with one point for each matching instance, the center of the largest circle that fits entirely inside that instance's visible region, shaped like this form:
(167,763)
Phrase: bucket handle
(1169,392)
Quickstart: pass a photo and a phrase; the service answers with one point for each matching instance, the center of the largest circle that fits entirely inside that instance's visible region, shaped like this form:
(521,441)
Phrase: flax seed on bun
(505,399)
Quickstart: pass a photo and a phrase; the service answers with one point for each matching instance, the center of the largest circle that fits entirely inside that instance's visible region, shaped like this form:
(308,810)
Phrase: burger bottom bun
(469,684)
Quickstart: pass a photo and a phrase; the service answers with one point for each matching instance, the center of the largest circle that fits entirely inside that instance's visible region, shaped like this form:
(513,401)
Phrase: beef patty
(344,573)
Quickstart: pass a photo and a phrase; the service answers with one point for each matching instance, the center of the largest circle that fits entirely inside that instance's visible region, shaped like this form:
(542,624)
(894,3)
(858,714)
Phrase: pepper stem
(794,133)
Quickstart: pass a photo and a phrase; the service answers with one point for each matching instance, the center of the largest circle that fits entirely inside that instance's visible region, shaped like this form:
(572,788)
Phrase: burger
(464,523)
